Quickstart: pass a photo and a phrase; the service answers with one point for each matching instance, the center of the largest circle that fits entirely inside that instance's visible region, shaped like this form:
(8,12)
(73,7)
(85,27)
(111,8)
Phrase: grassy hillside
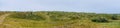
(1,13)
(56,19)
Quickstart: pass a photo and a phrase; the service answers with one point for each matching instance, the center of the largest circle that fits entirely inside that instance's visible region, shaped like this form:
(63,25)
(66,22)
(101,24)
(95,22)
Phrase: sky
(97,6)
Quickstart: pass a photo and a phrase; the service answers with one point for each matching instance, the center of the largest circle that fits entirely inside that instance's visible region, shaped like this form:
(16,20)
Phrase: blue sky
(98,6)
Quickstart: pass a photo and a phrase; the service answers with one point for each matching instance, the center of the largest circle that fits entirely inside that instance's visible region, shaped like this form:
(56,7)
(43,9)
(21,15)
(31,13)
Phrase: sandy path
(2,17)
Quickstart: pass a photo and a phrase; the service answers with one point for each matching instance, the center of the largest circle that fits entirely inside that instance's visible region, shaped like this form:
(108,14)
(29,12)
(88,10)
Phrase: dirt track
(2,17)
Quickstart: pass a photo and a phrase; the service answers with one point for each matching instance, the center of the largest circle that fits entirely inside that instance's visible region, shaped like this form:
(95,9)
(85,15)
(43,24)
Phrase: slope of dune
(46,19)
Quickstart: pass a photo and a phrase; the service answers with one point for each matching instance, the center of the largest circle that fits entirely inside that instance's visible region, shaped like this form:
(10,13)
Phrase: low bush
(114,17)
(99,20)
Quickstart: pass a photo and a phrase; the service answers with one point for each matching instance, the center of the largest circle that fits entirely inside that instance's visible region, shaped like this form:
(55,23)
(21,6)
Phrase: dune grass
(58,20)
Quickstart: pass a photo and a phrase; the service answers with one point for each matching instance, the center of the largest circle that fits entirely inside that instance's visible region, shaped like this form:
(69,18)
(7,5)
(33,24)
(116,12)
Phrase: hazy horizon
(97,6)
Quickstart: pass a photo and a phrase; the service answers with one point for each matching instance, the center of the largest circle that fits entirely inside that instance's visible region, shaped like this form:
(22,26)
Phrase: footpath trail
(2,17)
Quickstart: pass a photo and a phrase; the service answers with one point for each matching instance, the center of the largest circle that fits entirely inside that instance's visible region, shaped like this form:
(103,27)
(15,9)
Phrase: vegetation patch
(100,20)
(28,16)
(114,17)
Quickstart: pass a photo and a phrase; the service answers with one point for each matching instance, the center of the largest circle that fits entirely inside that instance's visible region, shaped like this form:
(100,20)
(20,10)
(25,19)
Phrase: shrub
(114,17)
(99,20)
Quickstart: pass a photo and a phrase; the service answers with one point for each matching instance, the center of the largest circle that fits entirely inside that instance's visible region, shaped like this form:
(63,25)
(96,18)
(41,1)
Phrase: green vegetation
(115,17)
(1,13)
(56,19)
(100,20)
(28,16)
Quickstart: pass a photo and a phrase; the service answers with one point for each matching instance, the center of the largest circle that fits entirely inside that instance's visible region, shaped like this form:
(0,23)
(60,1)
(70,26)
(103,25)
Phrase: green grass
(44,24)
(56,19)
(113,24)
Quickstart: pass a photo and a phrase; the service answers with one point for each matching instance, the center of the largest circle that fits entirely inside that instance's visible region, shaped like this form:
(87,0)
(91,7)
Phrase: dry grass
(58,20)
